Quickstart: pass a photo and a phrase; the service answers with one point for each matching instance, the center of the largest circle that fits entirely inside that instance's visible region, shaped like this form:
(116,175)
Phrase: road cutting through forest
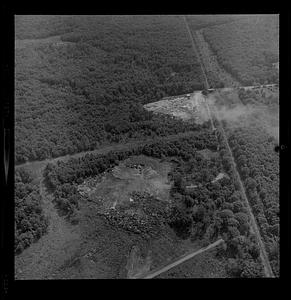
(263,254)
(177,262)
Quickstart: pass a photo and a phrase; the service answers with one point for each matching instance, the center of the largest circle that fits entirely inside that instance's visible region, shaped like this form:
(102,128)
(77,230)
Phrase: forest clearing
(145,140)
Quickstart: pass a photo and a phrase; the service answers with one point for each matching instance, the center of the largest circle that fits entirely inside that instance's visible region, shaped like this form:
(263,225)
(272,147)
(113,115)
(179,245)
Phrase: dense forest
(213,210)
(247,48)
(30,222)
(88,88)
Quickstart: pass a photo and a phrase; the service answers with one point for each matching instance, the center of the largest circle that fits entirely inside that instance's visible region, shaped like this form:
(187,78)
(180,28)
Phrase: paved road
(155,273)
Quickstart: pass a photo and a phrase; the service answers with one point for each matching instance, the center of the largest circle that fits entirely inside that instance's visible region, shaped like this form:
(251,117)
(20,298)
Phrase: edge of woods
(202,213)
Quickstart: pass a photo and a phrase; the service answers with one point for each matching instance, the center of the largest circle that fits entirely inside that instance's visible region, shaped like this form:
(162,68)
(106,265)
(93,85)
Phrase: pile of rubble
(88,187)
(148,222)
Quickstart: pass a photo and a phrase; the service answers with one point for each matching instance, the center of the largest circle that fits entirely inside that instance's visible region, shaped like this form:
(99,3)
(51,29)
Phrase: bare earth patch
(136,174)
(190,106)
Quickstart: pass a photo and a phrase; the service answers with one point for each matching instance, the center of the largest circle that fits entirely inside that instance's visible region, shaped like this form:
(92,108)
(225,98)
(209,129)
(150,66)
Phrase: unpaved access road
(253,224)
(155,273)
(37,166)
(196,53)
(263,253)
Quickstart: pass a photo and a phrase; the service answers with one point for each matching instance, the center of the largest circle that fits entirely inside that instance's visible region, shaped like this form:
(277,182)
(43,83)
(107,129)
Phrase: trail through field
(41,259)
(177,262)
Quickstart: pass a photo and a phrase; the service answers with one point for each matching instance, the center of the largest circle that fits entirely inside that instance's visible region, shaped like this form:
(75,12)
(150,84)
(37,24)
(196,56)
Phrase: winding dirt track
(159,271)
(254,227)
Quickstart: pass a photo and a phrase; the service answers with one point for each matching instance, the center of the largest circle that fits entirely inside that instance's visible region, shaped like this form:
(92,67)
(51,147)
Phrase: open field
(116,186)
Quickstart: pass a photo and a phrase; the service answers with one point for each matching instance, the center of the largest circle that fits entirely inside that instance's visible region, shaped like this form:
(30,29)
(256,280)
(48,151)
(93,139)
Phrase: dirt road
(37,166)
(155,273)
(210,62)
(263,254)
(196,53)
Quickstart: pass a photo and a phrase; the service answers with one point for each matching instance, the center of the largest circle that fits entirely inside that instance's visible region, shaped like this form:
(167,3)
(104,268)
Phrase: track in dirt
(254,226)
(177,262)
(196,53)
(263,254)
(38,166)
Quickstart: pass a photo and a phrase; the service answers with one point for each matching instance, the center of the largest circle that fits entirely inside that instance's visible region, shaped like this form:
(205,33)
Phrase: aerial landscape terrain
(145,146)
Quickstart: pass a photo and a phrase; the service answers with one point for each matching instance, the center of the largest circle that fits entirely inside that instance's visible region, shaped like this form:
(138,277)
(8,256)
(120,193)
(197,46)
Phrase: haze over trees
(258,165)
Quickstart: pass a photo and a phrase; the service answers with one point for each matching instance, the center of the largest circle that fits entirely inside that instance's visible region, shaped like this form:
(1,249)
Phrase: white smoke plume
(240,115)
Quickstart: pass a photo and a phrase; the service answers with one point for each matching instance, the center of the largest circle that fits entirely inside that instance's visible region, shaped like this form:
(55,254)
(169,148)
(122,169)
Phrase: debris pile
(190,106)
(89,185)
(145,215)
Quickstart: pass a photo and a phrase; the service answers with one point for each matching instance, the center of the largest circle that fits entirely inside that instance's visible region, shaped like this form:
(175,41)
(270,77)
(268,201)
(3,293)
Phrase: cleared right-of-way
(263,253)
(253,224)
